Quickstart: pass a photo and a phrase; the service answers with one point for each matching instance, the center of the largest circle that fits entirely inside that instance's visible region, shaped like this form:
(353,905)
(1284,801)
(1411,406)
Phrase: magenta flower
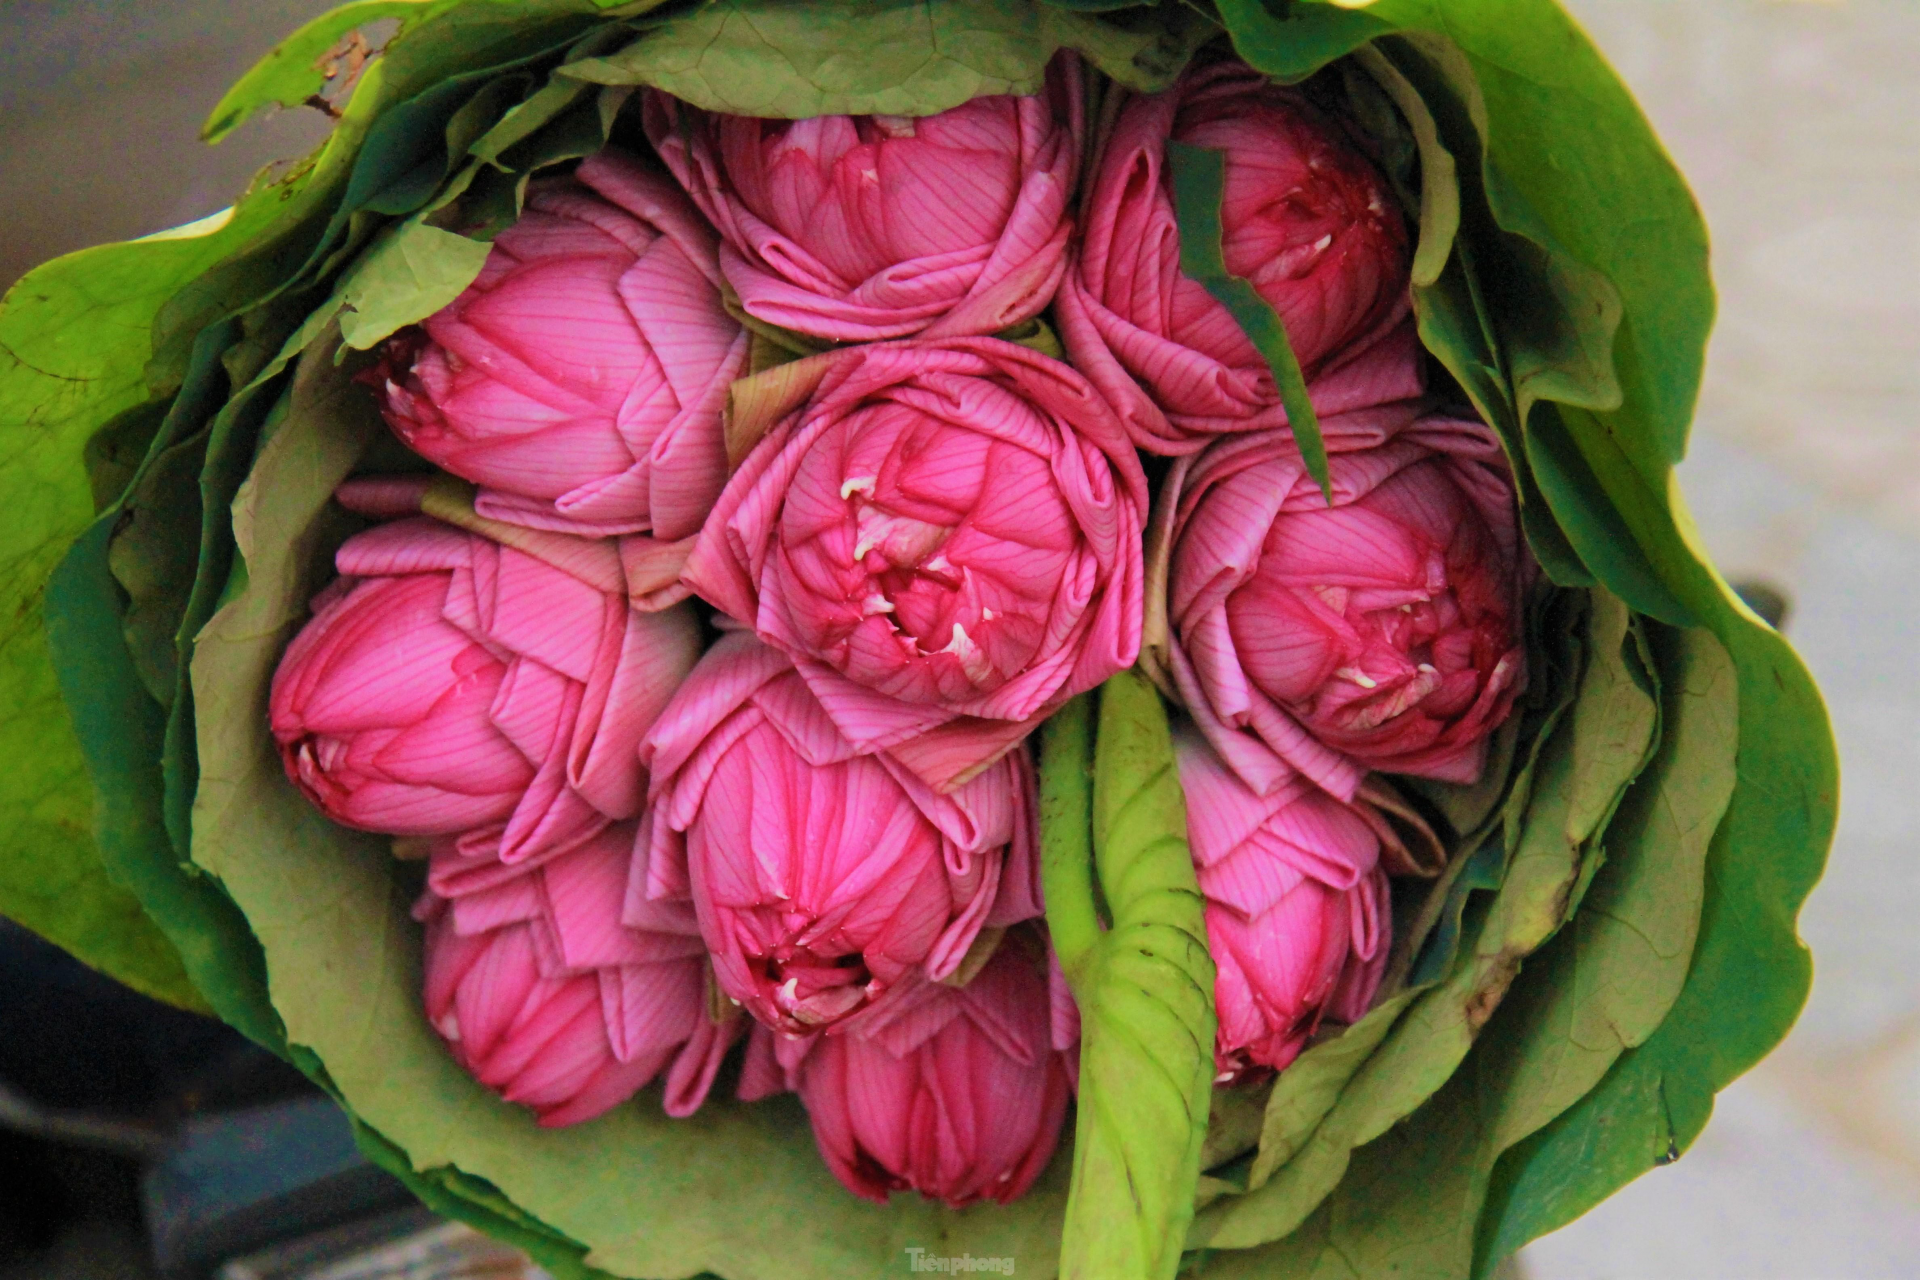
(1305,217)
(959,1097)
(1298,915)
(1383,632)
(857,228)
(547,997)
(447,684)
(823,878)
(945,536)
(580,379)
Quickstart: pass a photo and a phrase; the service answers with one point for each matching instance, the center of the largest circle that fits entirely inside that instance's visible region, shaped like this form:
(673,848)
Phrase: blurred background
(1798,123)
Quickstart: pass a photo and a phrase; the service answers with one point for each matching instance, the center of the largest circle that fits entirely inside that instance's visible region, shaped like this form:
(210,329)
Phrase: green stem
(1066,833)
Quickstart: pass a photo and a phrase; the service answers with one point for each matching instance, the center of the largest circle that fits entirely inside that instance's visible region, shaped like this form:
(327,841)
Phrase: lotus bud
(450,685)
(1298,914)
(959,1095)
(856,228)
(549,998)
(824,879)
(580,379)
(944,536)
(1381,632)
(1305,218)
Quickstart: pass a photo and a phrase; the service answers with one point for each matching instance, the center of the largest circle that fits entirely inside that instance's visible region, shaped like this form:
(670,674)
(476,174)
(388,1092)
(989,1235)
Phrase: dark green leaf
(155,541)
(1199,179)
(1293,47)
(121,729)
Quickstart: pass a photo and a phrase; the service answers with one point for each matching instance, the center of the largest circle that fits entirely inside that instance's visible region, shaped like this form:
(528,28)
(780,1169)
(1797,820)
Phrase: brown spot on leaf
(1480,1007)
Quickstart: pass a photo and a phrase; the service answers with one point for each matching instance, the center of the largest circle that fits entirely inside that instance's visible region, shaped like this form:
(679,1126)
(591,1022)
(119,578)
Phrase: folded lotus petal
(857,228)
(622,699)
(761,1075)
(581,378)
(454,685)
(480,908)
(404,547)
(697,1063)
(822,878)
(1305,219)
(945,537)
(1371,909)
(961,1097)
(548,997)
(730,673)
(581,898)
(1019,896)
(655,1007)
(1297,913)
(1379,632)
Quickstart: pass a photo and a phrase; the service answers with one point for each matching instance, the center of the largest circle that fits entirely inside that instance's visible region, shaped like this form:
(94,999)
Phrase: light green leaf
(1628,948)
(411,272)
(892,57)
(1199,180)
(1144,985)
(292,73)
(1616,722)
(74,343)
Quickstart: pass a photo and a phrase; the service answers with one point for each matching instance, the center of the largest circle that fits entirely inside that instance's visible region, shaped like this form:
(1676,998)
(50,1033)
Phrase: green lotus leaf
(1319,1116)
(1144,982)
(414,271)
(892,57)
(1199,182)
(75,339)
(1412,1196)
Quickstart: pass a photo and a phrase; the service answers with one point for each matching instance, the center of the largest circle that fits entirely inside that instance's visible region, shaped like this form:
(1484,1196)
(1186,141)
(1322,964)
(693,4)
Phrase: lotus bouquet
(814,637)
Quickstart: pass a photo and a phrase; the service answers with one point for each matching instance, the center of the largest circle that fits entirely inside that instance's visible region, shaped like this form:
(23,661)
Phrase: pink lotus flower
(1383,632)
(824,879)
(945,536)
(1375,634)
(1305,218)
(548,998)
(1298,914)
(448,684)
(960,1097)
(856,228)
(580,379)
